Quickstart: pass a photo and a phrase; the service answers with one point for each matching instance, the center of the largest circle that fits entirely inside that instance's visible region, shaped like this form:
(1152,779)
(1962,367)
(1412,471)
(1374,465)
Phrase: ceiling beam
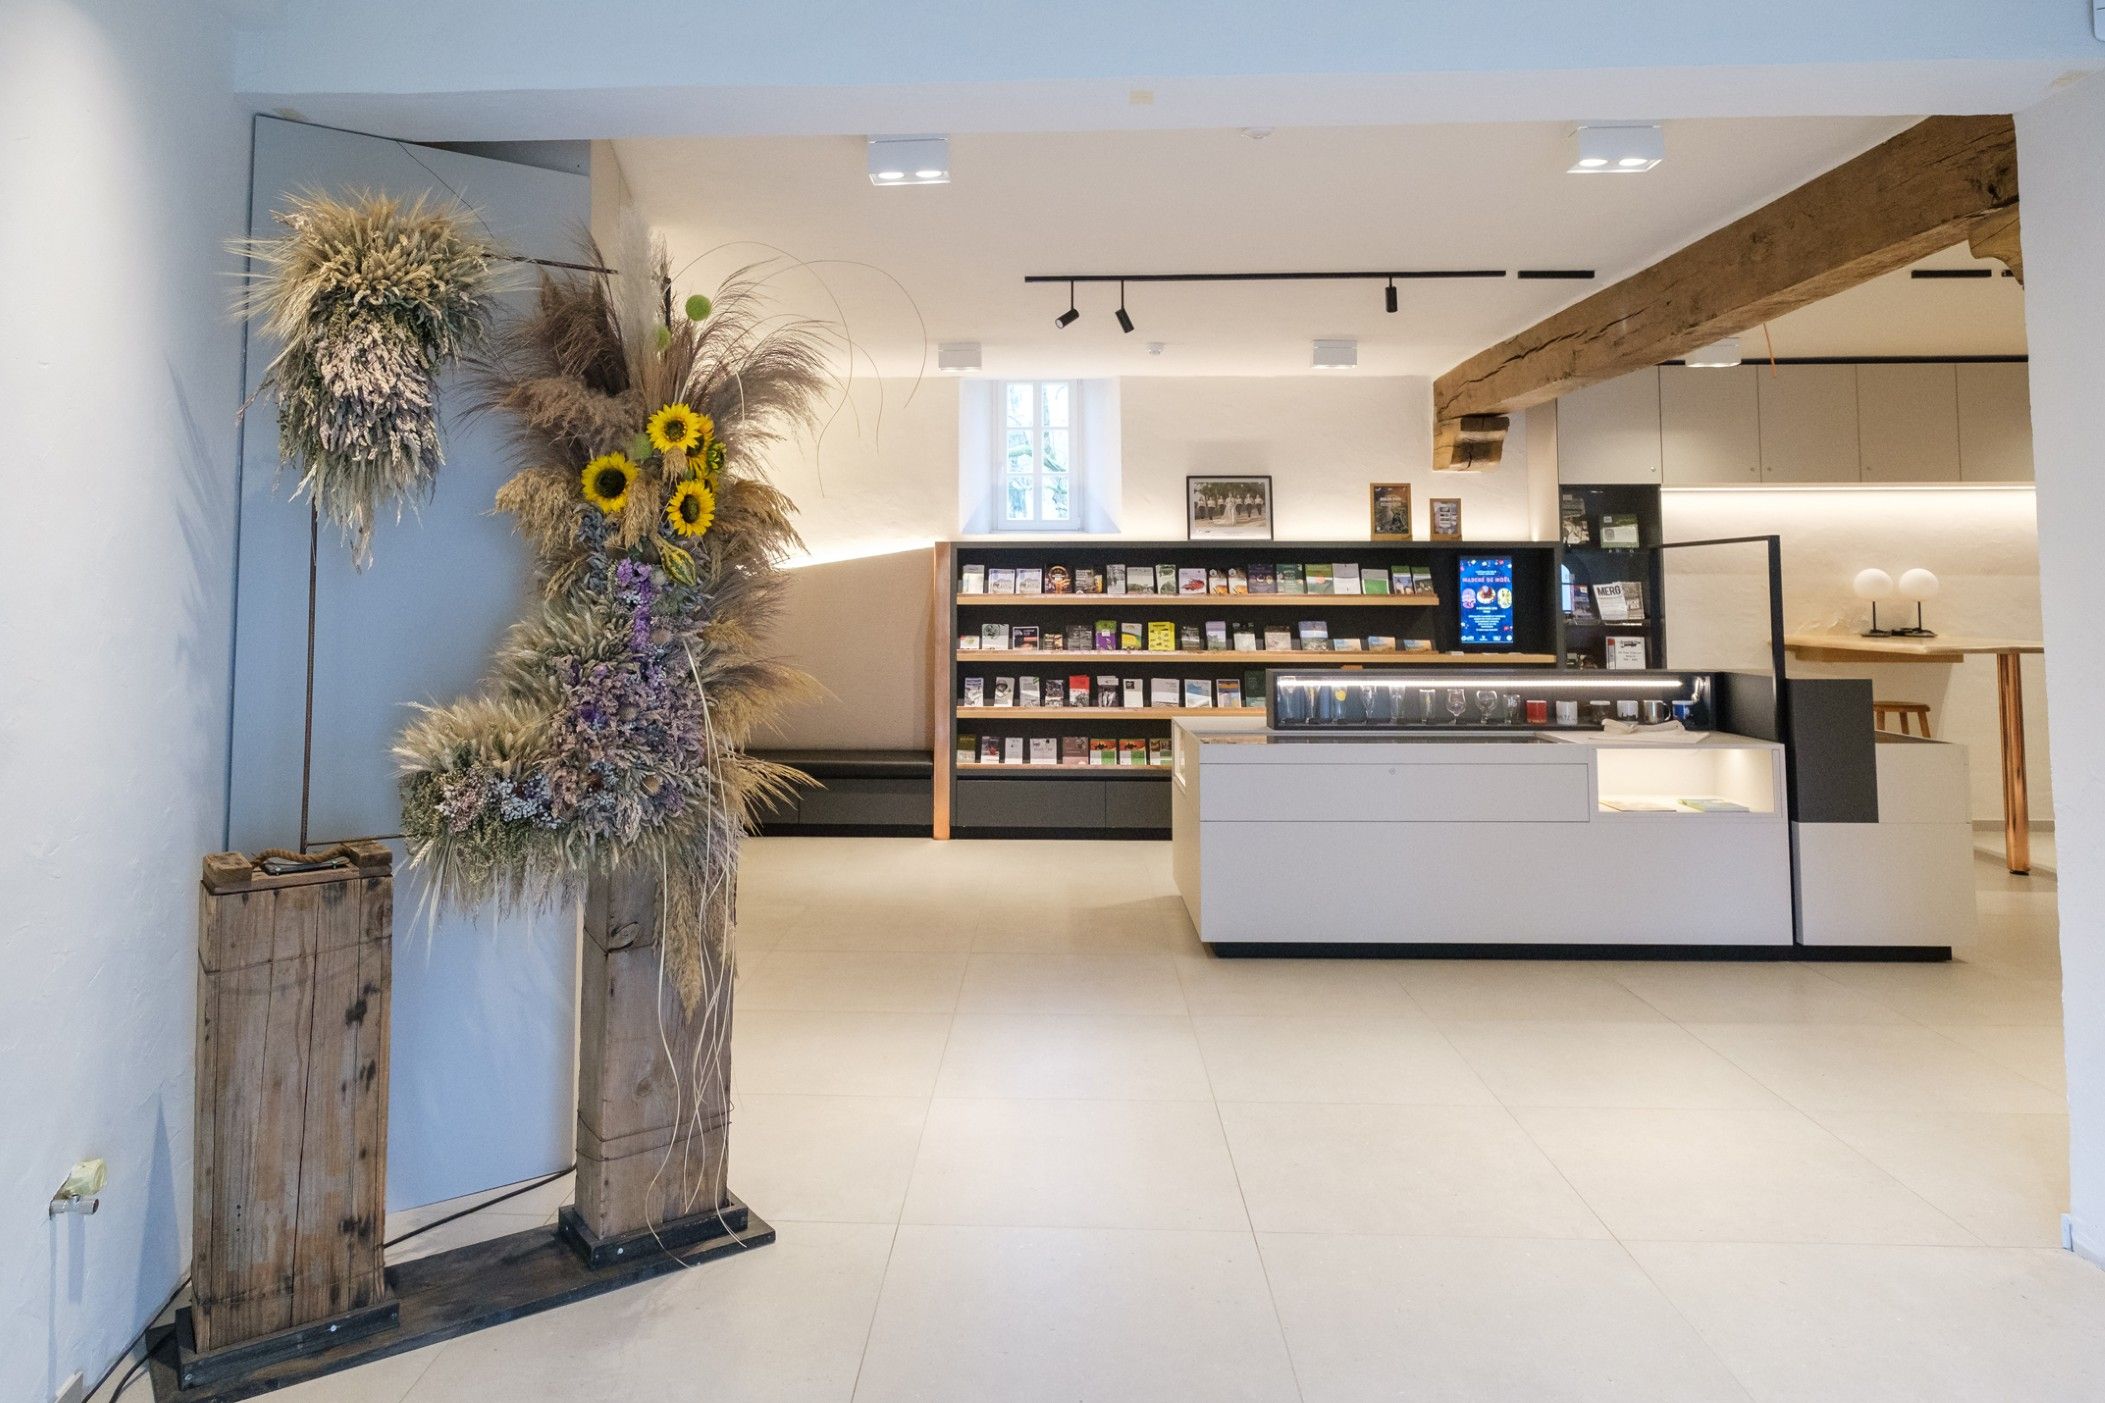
(1997,237)
(1924,190)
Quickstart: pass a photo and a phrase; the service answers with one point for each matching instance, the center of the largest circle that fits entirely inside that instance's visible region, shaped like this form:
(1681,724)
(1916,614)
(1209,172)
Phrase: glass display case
(1345,699)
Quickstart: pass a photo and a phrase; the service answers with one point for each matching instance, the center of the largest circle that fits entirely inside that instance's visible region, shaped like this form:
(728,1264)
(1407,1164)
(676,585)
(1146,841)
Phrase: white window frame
(999,446)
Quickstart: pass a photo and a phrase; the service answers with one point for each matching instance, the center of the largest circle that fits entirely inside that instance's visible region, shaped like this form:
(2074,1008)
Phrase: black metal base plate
(201,1371)
(457,1293)
(1467,950)
(598,1252)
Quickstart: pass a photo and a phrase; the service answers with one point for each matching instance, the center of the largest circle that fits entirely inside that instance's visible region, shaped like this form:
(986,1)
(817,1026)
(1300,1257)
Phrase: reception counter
(1479,838)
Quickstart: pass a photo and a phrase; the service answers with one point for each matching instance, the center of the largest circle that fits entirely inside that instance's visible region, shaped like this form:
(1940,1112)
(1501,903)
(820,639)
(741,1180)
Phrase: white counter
(1477,838)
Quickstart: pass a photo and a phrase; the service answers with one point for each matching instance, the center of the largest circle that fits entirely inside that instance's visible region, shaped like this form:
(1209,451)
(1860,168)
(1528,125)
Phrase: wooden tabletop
(1948,648)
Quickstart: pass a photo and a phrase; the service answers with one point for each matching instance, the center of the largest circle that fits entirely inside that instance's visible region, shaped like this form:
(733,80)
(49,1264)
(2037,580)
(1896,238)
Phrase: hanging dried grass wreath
(371,296)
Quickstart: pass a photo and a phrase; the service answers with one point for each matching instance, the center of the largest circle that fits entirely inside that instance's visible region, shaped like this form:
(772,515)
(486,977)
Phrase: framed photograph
(1389,511)
(1446,518)
(1228,508)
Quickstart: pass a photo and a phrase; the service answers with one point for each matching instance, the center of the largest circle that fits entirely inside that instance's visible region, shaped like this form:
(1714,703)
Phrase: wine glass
(1457,701)
(1486,700)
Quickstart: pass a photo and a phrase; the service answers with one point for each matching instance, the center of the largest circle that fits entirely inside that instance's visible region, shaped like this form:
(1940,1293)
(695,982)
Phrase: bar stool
(1902,712)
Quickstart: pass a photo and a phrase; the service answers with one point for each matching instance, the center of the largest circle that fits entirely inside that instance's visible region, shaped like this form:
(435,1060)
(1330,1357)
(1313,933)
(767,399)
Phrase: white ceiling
(1446,196)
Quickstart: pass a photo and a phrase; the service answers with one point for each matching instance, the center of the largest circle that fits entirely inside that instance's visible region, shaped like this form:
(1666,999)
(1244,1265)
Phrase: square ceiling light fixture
(909,160)
(1618,150)
(958,357)
(1335,355)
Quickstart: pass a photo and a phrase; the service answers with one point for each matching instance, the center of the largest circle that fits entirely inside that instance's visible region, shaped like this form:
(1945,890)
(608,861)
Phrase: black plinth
(454,1293)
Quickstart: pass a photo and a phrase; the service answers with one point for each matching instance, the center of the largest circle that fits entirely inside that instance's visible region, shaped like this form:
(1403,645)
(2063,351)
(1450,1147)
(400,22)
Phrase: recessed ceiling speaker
(1341,354)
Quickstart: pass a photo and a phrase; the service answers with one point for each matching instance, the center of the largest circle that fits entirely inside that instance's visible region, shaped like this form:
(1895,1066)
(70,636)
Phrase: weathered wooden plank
(291,1102)
(653,1079)
(1919,192)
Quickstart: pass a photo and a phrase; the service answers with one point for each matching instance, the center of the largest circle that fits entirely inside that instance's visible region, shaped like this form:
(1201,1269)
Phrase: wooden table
(2009,699)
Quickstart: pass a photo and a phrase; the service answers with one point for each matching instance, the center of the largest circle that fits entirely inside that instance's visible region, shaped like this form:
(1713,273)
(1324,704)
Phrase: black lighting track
(1422,274)
(1957,273)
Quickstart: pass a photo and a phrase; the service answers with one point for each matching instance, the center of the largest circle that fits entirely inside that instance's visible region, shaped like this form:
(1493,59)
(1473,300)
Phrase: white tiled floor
(1023,1139)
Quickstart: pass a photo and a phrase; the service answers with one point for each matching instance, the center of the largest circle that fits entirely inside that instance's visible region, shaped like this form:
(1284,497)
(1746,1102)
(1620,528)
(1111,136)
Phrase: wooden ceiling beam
(1924,190)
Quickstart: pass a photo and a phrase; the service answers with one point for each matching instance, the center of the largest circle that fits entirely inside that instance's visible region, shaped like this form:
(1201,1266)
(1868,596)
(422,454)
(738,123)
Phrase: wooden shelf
(1260,601)
(1020,771)
(1196,657)
(1107,713)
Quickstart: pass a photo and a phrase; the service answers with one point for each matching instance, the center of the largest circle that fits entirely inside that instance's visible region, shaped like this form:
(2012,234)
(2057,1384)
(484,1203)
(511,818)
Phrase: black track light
(1389,298)
(1066,318)
(1125,323)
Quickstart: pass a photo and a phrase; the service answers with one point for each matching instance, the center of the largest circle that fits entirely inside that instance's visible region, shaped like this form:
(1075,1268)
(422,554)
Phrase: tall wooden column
(294,978)
(654,1086)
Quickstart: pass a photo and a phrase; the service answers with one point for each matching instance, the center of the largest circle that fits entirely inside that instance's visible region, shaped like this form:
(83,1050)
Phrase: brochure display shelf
(1590,517)
(1007,719)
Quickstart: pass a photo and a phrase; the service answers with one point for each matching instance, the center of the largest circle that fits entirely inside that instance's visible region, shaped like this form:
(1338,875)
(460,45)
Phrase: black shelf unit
(1583,644)
(1016,800)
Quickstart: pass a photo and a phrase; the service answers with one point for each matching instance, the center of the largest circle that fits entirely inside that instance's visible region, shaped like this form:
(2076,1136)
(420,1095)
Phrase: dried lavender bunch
(371,297)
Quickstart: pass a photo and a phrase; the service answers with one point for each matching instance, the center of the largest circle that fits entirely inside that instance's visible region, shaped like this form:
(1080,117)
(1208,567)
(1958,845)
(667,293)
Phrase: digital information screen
(1487,600)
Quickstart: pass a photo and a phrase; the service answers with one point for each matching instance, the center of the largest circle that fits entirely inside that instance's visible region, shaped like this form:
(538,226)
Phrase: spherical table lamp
(1874,585)
(1918,585)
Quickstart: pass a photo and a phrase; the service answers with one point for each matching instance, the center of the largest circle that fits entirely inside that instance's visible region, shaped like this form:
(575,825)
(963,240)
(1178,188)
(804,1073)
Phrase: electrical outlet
(75,1391)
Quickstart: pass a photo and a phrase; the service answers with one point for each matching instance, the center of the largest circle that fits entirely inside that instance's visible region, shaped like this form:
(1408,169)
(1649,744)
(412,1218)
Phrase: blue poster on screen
(1487,600)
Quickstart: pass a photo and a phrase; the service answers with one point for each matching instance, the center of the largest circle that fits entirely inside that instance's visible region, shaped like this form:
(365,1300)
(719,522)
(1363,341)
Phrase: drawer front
(1407,793)
(1031,803)
(871,800)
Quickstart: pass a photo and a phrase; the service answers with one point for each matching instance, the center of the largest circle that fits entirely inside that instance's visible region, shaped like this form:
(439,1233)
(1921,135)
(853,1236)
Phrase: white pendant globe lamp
(1917,585)
(1874,585)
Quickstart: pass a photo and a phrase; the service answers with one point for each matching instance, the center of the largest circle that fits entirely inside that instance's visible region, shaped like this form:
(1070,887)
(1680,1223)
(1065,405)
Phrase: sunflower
(692,508)
(678,426)
(607,479)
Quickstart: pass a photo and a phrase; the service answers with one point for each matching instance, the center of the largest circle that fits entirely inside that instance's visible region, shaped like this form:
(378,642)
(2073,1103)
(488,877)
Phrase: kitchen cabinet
(1995,422)
(1709,426)
(1908,422)
(1808,422)
(1610,432)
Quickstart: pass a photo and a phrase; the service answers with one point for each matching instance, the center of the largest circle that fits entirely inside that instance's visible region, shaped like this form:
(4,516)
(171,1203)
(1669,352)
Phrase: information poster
(1486,583)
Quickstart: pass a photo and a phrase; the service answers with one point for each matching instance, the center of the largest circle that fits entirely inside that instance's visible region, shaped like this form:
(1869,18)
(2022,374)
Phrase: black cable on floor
(139,1366)
(486,1203)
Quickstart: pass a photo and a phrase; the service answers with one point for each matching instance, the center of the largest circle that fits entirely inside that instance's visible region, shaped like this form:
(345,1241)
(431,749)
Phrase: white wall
(883,482)
(2061,150)
(1982,545)
(507,69)
(124,163)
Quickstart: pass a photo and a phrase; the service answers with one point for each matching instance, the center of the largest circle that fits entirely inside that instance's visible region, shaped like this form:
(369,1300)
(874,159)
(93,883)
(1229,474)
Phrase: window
(1035,447)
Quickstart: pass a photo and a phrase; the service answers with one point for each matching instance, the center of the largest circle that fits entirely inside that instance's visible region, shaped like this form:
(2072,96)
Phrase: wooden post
(653,1086)
(294,974)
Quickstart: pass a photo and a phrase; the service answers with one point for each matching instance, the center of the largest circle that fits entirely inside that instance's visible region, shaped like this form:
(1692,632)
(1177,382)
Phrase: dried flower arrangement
(370,297)
(609,735)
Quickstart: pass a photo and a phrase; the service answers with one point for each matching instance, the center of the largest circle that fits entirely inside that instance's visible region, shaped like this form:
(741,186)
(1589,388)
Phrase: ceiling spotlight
(1717,355)
(1066,318)
(1335,355)
(1623,150)
(1125,323)
(958,357)
(1388,298)
(909,160)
